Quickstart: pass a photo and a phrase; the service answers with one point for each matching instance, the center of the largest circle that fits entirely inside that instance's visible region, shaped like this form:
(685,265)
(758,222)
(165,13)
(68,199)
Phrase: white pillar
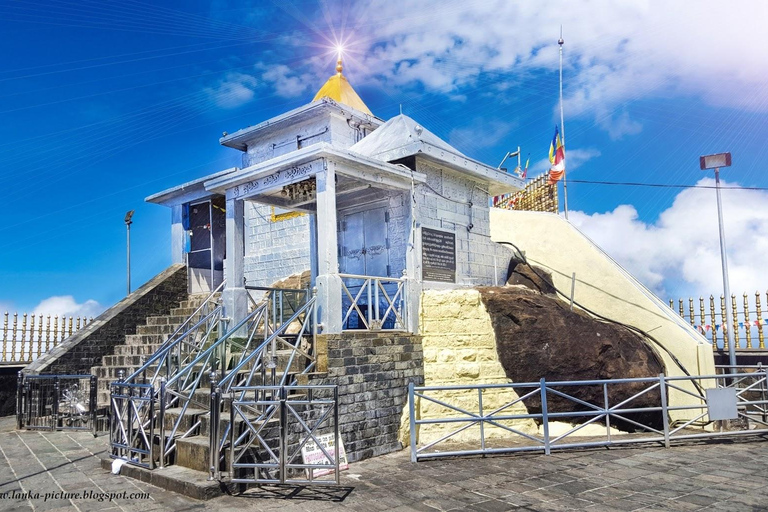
(328,281)
(234,298)
(312,249)
(177,235)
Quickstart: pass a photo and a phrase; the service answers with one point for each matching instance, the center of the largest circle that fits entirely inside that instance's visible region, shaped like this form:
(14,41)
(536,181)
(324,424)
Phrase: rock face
(539,337)
(534,278)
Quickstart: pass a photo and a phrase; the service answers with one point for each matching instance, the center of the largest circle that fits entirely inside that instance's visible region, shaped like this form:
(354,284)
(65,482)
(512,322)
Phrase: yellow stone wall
(460,349)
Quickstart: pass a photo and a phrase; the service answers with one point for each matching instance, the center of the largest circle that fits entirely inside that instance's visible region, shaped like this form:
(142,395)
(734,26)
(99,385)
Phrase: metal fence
(373,303)
(537,196)
(710,319)
(272,428)
(26,337)
(56,402)
(545,416)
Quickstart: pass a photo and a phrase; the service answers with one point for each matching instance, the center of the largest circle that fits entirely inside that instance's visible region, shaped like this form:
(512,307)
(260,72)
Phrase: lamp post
(716,162)
(128,223)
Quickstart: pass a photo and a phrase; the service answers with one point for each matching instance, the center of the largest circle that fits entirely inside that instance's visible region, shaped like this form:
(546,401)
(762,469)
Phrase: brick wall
(84,349)
(372,371)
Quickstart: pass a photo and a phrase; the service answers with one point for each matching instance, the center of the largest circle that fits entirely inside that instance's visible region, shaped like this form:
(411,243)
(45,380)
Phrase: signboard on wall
(311,453)
(278,179)
(438,256)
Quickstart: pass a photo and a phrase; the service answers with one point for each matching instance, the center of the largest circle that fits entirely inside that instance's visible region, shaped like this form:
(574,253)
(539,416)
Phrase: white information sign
(312,454)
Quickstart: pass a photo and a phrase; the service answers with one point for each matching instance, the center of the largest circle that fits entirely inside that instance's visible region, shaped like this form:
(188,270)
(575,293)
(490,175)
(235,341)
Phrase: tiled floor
(724,476)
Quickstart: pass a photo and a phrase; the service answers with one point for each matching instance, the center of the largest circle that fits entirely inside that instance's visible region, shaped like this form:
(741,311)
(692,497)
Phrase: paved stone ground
(723,476)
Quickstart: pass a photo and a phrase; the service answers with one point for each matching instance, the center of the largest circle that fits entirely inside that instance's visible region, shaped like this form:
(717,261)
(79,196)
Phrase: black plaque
(438,256)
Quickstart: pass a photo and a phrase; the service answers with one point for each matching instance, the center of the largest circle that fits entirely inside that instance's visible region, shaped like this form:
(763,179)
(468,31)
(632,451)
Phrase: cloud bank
(678,255)
(66,305)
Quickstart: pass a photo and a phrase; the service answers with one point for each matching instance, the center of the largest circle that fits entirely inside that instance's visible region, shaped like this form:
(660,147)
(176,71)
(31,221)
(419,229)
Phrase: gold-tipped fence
(27,337)
(710,320)
(537,196)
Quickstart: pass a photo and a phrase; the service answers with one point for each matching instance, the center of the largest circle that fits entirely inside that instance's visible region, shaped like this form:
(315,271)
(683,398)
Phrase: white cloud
(234,90)
(66,305)
(285,81)
(615,52)
(679,253)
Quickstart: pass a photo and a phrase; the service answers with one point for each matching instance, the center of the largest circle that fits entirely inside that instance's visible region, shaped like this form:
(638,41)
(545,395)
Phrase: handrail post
(337,432)
(369,312)
(544,415)
(664,408)
(161,441)
(213,430)
(412,413)
(55,404)
(94,383)
(19,400)
(151,436)
(283,434)
(482,418)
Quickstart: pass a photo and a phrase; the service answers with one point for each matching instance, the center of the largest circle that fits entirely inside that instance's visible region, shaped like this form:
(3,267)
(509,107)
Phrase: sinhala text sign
(438,255)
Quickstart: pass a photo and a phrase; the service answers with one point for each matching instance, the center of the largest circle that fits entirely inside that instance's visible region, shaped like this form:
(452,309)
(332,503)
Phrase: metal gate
(279,435)
(56,402)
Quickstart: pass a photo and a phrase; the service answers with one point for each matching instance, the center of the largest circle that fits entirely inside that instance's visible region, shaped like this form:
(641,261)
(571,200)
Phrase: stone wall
(372,371)
(84,349)
(443,203)
(459,347)
(275,249)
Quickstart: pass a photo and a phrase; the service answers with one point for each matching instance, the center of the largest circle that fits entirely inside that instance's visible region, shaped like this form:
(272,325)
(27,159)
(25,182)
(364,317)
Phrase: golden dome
(338,89)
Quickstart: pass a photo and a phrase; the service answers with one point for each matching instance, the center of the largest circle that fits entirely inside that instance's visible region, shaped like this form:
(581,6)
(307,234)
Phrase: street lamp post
(716,162)
(128,223)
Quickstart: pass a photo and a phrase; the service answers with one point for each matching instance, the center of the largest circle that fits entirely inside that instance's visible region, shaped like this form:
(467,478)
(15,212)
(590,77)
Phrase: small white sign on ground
(722,404)
(312,454)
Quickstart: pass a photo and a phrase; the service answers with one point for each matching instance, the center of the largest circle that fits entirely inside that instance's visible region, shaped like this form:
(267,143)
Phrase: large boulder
(539,337)
(531,277)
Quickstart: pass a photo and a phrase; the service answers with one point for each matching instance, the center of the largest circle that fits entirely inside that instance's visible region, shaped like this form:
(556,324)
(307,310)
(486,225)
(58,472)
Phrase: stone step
(164,329)
(137,350)
(183,311)
(181,480)
(193,453)
(145,339)
(123,360)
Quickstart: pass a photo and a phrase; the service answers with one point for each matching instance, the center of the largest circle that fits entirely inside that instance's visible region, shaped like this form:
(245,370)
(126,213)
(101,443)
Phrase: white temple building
(377,211)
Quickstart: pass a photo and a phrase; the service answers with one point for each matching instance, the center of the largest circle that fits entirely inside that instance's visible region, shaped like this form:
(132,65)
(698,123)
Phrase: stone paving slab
(721,476)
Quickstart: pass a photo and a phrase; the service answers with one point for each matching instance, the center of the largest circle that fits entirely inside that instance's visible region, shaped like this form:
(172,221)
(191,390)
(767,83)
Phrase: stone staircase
(140,346)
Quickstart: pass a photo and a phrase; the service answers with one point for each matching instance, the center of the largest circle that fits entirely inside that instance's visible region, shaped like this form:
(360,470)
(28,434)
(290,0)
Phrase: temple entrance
(205,243)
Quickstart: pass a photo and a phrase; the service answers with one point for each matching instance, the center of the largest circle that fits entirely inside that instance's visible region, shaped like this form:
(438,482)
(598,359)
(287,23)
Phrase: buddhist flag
(525,171)
(557,158)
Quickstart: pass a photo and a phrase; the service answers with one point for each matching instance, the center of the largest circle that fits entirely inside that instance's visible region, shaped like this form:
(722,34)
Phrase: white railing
(374,303)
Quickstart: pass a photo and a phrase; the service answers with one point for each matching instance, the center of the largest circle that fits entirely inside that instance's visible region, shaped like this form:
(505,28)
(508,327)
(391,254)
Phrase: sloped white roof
(399,137)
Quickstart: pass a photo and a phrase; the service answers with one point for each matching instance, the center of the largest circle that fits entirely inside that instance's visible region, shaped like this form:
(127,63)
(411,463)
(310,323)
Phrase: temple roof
(338,89)
(401,137)
(399,134)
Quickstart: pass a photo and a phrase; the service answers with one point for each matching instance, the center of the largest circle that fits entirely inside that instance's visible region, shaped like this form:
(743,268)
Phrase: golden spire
(338,89)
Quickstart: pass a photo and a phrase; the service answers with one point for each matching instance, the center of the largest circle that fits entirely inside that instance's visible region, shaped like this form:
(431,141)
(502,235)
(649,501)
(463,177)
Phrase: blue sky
(104,103)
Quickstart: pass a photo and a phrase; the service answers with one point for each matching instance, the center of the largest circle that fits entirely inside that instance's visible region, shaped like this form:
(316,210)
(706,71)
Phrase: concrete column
(177,235)
(413,271)
(313,249)
(234,298)
(328,282)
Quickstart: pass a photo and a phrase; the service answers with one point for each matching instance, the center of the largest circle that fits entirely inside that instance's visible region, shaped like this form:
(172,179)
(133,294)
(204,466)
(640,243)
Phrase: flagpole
(562,123)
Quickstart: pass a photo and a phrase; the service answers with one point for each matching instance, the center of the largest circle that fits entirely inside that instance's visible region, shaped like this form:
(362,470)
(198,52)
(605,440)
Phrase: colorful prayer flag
(556,158)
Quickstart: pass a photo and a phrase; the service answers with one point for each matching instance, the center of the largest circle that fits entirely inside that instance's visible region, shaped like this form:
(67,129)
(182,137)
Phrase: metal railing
(463,425)
(374,303)
(149,407)
(27,337)
(274,427)
(56,402)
